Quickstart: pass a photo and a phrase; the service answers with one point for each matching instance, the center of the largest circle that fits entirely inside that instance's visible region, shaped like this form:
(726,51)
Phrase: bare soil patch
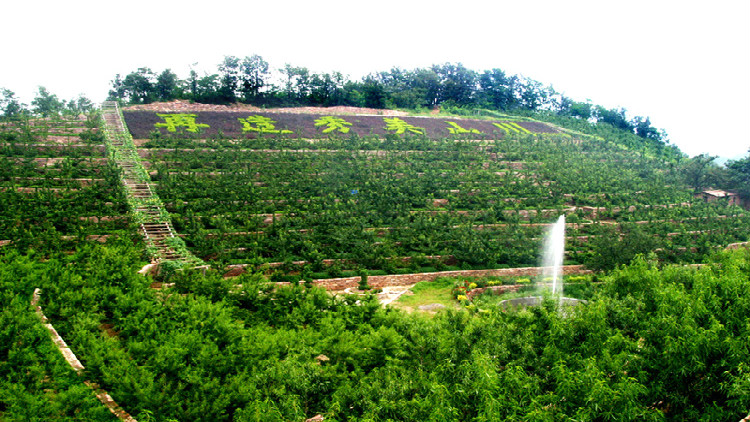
(184,106)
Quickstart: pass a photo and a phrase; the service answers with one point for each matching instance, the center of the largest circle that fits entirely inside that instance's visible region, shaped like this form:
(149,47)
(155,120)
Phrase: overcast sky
(686,64)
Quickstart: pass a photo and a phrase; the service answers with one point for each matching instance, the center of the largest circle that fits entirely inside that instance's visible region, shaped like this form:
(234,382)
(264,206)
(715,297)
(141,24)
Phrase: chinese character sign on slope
(173,121)
(260,124)
(456,129)
(333,124)
(400,127)
(511,127)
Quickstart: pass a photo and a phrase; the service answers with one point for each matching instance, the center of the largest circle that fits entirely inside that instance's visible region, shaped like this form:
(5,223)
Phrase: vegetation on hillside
(56,186)
(412,203)
(654,343)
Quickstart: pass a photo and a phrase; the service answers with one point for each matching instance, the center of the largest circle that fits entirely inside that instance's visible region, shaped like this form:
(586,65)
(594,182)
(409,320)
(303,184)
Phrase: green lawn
(428,292)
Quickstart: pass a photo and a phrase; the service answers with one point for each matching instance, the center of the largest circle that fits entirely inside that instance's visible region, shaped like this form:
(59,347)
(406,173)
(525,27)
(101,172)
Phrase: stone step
(160,234)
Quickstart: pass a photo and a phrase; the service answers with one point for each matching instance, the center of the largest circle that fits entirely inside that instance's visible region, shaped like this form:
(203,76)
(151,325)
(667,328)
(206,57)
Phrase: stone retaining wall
(379,281)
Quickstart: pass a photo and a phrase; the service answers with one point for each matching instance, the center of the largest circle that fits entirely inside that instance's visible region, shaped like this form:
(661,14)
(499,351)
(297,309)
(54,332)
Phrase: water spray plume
(553,254)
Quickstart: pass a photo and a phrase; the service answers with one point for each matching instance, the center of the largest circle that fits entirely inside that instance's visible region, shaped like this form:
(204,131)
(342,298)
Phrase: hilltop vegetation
(449,86)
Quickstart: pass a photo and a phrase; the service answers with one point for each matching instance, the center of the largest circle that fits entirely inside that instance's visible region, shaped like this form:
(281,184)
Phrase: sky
(685,64)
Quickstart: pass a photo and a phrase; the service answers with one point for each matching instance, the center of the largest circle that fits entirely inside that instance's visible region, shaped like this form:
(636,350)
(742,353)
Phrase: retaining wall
(379,281)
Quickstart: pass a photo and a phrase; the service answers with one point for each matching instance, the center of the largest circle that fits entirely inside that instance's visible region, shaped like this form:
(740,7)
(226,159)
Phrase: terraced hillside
(654,342)
(60,195)
(57,186)
(256,189)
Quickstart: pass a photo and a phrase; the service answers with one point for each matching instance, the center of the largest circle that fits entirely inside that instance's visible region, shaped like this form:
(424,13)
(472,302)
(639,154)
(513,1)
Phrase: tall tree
(208,90)
(532,95)
(373,93)
(229,71)
(138,86)
(739,173)
(581,110)
(496,89)
(46,104)
(192,84)
(697,171)
(10,107)
(118,90)
(327,89)
(77,106)
(400,88)
(297,86)
(457,83)
(425,84)
(254,74)
(166,87)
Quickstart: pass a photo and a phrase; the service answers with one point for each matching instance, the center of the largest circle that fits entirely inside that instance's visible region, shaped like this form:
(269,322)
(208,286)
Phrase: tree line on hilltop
(250,80)
(44,104)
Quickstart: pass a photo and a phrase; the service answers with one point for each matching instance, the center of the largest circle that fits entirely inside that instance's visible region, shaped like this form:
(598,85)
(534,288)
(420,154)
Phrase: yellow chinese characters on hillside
(456,129)
(260,124)
(173,121)
(333,124)
(511,127)
(400,126)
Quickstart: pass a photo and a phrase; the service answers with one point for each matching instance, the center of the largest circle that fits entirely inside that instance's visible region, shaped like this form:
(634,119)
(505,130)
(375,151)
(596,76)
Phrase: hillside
(231,216)
(327,195)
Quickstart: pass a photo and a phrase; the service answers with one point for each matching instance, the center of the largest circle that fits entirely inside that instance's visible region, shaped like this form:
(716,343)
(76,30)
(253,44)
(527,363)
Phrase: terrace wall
(379,281)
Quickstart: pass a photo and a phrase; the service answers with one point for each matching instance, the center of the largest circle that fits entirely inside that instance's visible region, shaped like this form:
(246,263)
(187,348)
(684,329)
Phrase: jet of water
(553,254)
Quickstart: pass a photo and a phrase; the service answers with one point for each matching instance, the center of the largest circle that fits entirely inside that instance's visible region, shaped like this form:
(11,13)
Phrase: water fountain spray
(553,254)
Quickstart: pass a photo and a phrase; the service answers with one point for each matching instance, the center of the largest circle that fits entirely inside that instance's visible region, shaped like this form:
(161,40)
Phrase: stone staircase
(145,206)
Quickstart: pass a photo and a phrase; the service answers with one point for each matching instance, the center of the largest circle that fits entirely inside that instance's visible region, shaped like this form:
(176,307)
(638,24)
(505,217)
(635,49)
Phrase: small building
(715,195)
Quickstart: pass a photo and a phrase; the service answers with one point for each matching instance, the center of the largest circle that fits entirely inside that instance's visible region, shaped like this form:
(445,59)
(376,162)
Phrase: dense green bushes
(654,343)
(36,384)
